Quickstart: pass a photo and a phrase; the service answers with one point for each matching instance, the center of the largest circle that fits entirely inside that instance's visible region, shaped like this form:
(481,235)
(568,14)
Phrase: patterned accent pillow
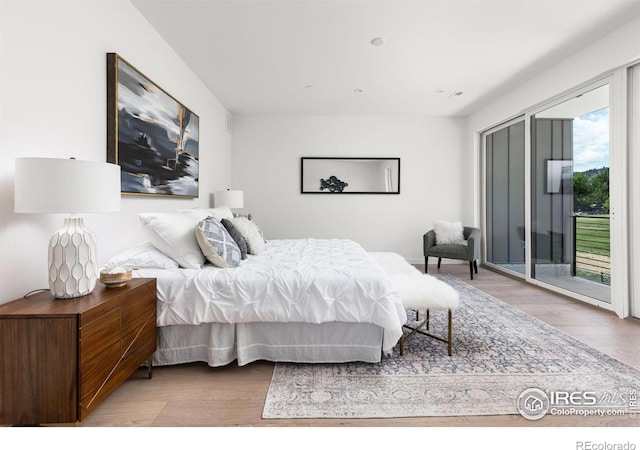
(217,244)
(237,236)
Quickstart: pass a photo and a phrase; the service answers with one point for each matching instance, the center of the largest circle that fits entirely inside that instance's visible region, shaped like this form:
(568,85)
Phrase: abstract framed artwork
(152,136)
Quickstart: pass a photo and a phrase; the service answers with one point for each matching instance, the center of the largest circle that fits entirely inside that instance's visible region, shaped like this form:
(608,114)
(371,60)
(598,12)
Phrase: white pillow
(143,256)
(174,235)
(216,244)
(251,233)
(448,232)
(219,213)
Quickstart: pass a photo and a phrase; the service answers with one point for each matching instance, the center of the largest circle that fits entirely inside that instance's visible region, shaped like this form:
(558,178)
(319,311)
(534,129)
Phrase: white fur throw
(251,233)
(417,290)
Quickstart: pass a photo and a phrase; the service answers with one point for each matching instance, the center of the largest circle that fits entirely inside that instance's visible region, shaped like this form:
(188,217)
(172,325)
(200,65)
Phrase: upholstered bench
(419,292)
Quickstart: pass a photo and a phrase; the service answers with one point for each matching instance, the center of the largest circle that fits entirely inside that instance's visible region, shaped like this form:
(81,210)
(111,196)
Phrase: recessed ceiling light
(377,41)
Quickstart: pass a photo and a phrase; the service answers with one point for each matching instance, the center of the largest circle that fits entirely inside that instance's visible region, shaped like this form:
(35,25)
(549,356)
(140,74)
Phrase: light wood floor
(198,395)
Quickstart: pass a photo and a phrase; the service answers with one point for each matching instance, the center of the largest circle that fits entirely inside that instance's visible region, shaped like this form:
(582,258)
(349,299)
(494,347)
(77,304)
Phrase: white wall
(434,174)
(53,104)
(614,50)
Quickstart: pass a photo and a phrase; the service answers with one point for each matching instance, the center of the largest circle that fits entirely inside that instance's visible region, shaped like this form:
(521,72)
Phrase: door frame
(633,86)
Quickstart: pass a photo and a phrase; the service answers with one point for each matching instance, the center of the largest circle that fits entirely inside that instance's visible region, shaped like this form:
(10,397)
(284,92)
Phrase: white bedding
(301,280)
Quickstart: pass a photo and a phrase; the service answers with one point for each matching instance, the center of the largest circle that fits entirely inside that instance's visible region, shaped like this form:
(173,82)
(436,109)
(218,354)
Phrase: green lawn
(592,236)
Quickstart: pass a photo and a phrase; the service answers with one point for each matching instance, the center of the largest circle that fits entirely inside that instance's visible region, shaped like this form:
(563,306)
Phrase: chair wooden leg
(426,264)
(475,266)
(471,269)
(450,332)
(439,261)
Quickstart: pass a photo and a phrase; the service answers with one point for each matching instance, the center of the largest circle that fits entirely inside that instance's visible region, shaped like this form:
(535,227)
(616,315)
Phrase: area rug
(499,352)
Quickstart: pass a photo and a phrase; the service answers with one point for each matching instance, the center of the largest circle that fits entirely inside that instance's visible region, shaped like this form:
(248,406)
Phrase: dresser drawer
(141,343)
(136,308)
(94,332)
(98,369)
(103,334)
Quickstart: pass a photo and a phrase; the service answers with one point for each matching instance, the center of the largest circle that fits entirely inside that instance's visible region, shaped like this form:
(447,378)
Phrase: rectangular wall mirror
(325,175)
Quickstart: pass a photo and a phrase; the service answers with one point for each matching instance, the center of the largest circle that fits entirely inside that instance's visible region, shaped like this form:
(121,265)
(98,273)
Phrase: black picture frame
(349,175)
(152,136)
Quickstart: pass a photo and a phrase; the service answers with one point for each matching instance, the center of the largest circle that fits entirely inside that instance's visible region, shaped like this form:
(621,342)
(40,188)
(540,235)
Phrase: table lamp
(232,199)
(51,185)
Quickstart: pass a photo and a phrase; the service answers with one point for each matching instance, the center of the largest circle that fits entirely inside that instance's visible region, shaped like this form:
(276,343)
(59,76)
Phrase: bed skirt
(219,344)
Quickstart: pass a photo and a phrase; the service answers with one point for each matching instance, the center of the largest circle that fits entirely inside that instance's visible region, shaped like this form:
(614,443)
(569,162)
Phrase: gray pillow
(216,243)
(237,236)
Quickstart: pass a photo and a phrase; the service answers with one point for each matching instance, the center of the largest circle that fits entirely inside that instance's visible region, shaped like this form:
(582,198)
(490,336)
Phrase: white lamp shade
(51,185)
(232,199)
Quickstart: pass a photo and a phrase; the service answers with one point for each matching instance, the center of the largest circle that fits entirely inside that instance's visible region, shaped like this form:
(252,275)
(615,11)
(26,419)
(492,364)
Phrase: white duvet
(298,280)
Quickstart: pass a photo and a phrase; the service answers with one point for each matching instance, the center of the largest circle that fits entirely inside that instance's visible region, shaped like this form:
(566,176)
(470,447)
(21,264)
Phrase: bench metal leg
(448,340)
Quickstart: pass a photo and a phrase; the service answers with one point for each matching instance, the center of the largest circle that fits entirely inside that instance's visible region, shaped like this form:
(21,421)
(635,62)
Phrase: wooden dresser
(60,358)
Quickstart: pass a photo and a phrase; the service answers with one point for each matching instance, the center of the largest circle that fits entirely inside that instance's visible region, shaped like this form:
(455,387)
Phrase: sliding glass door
(504,196)
(570,222)
(546,196)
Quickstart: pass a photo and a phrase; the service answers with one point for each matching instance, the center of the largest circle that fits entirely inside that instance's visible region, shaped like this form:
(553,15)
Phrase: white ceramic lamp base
(73,267)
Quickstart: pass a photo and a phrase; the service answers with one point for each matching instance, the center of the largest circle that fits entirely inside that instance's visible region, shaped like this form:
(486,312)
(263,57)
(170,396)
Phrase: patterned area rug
(498,352)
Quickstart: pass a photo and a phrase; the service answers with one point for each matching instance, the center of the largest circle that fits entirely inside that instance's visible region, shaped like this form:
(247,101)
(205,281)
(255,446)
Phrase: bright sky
(591,141)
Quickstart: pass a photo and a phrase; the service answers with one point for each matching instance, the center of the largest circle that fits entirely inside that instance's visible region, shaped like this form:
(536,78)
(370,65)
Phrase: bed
(296,300)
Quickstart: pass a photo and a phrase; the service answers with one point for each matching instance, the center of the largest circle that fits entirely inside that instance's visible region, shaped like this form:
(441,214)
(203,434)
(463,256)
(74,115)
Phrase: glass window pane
(505,237)
(570,195)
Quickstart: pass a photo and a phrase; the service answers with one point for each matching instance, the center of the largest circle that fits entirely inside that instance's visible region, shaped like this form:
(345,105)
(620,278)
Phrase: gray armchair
(466,252)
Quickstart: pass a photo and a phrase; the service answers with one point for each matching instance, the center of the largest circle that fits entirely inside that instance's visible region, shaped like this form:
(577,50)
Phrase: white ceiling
(309,56)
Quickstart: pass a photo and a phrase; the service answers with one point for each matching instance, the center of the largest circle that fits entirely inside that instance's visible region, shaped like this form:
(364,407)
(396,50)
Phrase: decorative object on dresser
(150,134)
(60,360)
(51,185)
(115,276)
